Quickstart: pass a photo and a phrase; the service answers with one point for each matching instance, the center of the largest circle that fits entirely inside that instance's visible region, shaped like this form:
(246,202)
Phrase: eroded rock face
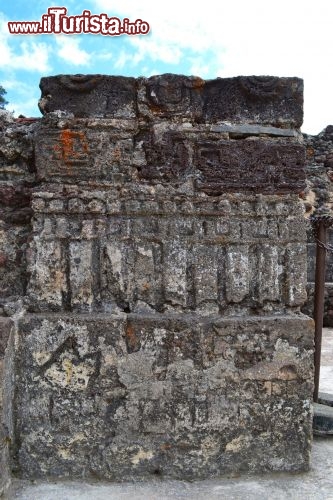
(249,99)
(17,177)
(184,396)
(166,268)
(6,397)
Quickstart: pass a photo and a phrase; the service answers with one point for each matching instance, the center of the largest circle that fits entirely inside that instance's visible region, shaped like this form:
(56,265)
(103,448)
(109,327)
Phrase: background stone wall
(319,200)
(162,273)
(17,177)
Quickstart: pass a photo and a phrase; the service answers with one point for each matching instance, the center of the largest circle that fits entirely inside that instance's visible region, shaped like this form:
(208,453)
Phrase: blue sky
(207,39)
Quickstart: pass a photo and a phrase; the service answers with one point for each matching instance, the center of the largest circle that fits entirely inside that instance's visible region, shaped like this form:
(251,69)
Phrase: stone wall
(162,278)
(6,396)
(318,199)
(17,178)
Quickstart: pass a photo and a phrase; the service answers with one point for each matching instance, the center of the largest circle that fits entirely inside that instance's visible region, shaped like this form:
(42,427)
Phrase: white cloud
(103,56)
(285,38)
(25,107)
(122,59)
(70,51)
(166,52)
(210,39)
(23,53)
(200,65)
(26,97)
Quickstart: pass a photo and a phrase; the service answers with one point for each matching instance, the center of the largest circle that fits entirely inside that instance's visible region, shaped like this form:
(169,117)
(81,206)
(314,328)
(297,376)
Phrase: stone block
(252,99)
(220,166)
(270,167)
(114,396)
(212,257)
(81,152)
(237,274)
(89,95)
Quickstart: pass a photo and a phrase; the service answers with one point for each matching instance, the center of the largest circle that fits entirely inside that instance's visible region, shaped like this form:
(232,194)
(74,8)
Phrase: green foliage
(3,101)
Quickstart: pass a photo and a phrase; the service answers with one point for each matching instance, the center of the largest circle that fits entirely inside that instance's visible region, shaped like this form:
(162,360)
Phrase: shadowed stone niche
(166,270)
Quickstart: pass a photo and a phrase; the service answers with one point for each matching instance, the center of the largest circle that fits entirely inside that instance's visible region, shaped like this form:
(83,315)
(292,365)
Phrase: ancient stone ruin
(153,259)
(318,199)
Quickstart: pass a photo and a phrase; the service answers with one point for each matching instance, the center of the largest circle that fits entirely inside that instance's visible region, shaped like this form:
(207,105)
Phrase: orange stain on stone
(198,83)
(73,145)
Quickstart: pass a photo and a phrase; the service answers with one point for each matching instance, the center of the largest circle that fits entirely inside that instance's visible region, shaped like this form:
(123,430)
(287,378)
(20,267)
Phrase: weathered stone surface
(89,95)
(252,99)
(171,96)
(189,258)
(219,165)
(247,130)
(125,153)
(255,99)
(325,398)
(318,199)
(84,151)
(162,263)
(319,171)
(16,179)
(5,328)
(270,167)
(6,355)
(129,395)
(322,420)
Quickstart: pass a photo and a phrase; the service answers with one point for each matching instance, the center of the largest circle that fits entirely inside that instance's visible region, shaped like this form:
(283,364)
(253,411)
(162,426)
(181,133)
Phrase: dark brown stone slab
(252,99)
(89,95)
(168,96)
(256,99)
(260,166)
(219,166)
(167,157)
